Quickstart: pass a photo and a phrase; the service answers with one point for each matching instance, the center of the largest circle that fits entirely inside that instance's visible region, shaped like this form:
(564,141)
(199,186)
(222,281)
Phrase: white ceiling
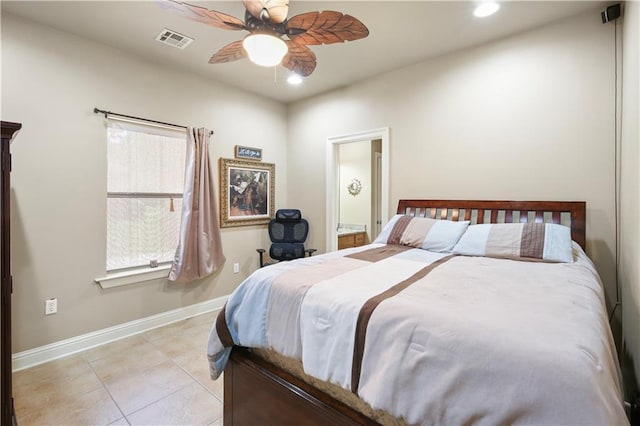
(402,33)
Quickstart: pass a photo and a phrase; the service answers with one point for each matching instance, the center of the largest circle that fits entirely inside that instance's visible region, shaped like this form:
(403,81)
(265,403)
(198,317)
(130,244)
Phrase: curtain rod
(106,113)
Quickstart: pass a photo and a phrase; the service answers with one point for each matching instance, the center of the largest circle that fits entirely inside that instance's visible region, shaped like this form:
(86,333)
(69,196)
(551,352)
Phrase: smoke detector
(174,39)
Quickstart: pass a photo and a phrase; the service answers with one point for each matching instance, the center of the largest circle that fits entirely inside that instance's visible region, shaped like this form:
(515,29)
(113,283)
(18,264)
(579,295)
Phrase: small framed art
(248,153)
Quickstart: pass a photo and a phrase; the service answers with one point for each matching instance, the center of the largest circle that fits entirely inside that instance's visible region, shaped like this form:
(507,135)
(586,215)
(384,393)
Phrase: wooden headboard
(569,213)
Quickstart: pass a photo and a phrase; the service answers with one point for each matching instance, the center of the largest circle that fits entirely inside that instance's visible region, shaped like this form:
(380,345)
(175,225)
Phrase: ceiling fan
(271,31)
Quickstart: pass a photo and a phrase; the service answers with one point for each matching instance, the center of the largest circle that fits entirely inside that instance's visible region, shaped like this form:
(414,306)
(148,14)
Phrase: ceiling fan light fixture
(274,37)
(294,79)
(485,9)
(265,49)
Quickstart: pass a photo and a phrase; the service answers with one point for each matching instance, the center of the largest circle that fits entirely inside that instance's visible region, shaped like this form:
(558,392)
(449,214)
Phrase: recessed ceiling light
(294,79)
(486,9)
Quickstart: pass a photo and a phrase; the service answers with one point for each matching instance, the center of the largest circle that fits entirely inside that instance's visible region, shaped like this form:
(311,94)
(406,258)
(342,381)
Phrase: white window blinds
(145,181)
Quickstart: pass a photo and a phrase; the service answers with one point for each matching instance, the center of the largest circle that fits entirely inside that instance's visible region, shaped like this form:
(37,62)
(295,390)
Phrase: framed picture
(248,153)
(247,191)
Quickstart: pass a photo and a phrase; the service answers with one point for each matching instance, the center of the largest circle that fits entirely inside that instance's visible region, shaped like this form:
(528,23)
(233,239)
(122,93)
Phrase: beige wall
(527,117)
(51,81)
(630,185)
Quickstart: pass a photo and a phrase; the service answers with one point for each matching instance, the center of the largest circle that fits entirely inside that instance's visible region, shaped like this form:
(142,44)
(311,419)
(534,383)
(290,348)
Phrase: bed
(461,312)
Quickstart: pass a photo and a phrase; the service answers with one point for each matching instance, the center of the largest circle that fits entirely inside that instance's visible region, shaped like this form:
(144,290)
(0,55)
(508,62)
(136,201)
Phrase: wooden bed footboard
(258,393)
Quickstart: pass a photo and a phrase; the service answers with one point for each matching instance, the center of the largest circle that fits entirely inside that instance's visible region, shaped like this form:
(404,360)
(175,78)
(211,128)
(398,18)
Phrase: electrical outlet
(50,306)
(236,268)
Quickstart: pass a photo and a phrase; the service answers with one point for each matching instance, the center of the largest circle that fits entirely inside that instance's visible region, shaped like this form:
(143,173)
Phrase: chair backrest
(288,226)
(288,231)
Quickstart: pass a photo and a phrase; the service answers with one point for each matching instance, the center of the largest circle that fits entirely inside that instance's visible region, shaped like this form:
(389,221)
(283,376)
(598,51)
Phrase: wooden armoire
(6,391)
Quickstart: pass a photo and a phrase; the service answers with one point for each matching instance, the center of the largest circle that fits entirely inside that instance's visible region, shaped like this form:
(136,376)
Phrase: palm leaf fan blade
(300,59)
(326,27)
(203,15)
(229,53)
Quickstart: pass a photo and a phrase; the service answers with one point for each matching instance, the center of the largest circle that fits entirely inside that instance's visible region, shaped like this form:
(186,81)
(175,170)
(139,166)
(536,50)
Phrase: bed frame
(257,392)
(570,213)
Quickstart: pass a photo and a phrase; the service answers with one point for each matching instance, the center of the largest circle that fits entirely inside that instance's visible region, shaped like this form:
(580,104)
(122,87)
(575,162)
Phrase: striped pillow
(424,233)
(525,241)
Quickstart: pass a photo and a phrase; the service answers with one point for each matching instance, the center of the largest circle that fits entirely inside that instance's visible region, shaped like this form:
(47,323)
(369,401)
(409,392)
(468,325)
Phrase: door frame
(332,186)
(377,202)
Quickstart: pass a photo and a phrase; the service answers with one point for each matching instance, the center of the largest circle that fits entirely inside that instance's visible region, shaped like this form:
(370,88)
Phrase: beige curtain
(199,250)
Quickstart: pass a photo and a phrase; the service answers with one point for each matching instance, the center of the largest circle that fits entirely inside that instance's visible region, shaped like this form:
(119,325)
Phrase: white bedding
(472,340)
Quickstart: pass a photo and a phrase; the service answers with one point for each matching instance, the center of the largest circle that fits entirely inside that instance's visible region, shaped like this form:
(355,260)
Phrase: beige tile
(187,327)
(207,318)
(136,371)
(191,405)
(93,408)
(198,323)
(122,364)
(218,422)
(60,369)
(115,348)
(214,386)
(191,356)
(32,396)
(173,329)
(196,365)
(140,389)
(176,346)
(202,330)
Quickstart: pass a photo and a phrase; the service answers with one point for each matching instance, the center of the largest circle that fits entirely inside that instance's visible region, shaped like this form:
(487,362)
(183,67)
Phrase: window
(145,181)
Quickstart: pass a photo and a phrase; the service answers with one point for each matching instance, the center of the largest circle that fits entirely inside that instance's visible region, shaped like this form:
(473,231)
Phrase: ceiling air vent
(174,39)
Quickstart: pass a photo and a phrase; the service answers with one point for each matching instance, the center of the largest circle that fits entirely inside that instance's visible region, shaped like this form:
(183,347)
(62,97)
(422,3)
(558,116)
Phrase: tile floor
(159,377)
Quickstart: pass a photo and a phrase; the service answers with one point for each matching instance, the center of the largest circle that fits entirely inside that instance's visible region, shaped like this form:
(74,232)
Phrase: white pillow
(419,232)
(541,241)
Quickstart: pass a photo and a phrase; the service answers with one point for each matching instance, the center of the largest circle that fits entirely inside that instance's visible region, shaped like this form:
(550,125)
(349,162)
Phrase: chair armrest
(261,251)
(311,251)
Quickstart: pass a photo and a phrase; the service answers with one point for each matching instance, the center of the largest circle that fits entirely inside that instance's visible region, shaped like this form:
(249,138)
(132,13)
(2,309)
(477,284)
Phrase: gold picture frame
(247,192)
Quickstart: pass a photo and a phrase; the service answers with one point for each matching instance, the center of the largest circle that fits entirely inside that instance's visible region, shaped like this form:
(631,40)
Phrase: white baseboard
(42,354)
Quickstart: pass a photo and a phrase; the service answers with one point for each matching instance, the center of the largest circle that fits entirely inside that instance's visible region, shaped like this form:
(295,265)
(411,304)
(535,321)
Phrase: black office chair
(288,231)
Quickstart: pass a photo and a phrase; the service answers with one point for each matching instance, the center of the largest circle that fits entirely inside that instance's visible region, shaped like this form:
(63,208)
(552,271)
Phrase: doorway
(377,142)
